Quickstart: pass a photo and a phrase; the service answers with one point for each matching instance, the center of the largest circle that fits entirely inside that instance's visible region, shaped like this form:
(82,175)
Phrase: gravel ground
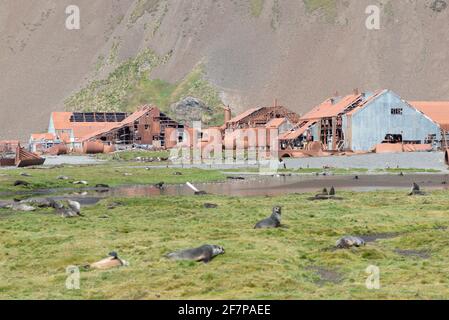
(71,160)
(415,160)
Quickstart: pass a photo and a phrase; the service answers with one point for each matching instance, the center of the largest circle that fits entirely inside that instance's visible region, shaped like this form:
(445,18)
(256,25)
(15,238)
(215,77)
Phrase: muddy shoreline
(254,186)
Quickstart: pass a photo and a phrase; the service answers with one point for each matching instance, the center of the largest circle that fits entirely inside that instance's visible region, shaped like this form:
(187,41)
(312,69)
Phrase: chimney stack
(227,114)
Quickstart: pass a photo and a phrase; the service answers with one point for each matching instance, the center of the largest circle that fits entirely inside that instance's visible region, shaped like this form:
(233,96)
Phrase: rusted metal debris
(25,158)
(18,157)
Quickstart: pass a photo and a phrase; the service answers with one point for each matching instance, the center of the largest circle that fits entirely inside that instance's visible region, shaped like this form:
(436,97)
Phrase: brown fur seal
(416,190)
(112,261)
(274,221)
(349,241)
(331,195)
(204,253)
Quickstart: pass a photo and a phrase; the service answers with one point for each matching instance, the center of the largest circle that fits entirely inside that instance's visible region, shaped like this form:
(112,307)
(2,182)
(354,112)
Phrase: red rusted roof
(331,107)
(42,136)
(363,103)
(295,133)
(245,114)
(276,122)
(438,111)
(126,122)
(61,121)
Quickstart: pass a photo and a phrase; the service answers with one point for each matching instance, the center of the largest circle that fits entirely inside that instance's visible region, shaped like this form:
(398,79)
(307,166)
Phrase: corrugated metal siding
(372,123)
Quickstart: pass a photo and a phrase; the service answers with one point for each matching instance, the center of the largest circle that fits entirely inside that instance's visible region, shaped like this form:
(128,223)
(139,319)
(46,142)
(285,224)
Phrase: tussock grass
(276,264)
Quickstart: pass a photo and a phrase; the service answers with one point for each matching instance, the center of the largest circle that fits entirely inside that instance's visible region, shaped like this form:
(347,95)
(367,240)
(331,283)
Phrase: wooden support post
(444,139)
(334,133)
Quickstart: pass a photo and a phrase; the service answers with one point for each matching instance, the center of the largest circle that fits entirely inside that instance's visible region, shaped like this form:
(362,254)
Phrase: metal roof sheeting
(438,111)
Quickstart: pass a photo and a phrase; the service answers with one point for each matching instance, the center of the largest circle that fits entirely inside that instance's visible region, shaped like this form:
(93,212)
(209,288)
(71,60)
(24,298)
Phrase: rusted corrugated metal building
(86,131)
(360,121)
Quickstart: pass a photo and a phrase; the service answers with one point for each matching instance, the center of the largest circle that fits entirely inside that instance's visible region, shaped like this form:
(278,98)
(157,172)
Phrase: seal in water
(204,253)
(416,190)
(349,241)
(274,221)
(110,262)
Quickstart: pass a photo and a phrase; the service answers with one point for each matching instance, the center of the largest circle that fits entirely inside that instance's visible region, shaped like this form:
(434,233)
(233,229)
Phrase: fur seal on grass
(204,253)
(331,195)
(160,185)
(274,221)
(416,190)
(110,262)
(350,241)
(72,210)
(18,183)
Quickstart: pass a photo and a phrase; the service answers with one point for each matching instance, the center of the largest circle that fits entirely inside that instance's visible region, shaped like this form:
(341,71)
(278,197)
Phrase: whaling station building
(378,121)
(360,122)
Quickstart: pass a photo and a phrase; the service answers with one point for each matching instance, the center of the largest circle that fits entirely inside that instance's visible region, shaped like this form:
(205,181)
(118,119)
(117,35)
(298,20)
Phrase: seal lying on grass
(204,253)
(350,241)
(110,262)
(274,221)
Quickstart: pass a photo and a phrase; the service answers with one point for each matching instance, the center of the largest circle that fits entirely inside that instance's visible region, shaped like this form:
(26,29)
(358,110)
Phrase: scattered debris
(177,173)
(210,205)
(62,178)
(197,192)
(24,174)
(349,241)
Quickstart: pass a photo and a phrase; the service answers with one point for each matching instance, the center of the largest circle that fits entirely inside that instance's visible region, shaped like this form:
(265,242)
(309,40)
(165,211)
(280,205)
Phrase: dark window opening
(393,138)
(397,111)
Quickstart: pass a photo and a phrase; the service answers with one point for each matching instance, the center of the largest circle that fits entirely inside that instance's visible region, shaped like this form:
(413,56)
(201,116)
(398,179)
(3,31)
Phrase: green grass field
(112,174)
(296,262)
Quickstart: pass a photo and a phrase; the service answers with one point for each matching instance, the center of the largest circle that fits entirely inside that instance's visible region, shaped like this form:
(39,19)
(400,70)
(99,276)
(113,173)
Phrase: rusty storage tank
(57,150)
(109,148)
(93,147)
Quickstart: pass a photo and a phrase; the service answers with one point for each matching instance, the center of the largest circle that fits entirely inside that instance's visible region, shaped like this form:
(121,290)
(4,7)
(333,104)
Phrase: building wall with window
(386,114)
